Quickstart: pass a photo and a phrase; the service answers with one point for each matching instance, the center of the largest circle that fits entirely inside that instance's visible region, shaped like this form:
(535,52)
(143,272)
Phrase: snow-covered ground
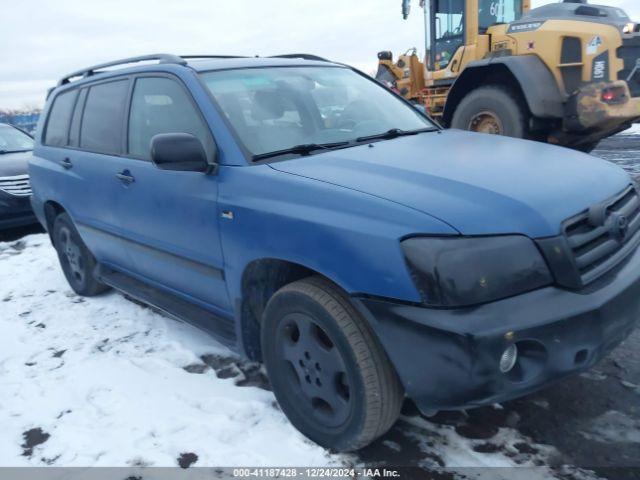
(634,130)
(106,382)
(104,379)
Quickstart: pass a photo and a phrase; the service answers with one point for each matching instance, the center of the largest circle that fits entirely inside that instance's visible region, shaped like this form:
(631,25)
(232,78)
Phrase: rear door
(170,218)
(95,144)
(50,179)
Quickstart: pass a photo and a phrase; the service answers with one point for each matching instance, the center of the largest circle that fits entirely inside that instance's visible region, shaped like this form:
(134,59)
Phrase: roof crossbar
(87,72)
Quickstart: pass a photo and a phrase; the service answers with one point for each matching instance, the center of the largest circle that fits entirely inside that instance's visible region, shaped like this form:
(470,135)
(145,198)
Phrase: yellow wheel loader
(566,73)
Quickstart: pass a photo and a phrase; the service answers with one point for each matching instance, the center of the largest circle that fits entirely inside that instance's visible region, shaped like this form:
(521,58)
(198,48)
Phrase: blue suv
(312,220)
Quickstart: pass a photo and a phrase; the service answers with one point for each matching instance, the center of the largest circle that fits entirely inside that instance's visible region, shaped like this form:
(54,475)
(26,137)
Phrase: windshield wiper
(2,152)
(395,133)
(303,149)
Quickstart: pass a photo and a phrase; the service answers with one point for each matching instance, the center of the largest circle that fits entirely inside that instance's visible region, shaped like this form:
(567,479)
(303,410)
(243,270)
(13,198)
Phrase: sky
(42,40)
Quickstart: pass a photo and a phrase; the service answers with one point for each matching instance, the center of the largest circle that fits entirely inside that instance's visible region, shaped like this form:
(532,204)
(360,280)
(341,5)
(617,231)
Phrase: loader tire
(494,110)
(587,147)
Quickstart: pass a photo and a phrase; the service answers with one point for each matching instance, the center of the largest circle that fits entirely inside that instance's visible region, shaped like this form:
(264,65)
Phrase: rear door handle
(66,164)
(125,177)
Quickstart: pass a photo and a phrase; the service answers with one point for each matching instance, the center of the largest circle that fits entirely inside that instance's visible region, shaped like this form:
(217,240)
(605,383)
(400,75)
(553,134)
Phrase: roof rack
(87,72)
(303,56)
(169,58)
(195,57)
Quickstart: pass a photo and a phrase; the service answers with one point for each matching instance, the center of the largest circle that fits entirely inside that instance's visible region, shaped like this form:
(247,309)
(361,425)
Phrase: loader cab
(447,30)
(452,24)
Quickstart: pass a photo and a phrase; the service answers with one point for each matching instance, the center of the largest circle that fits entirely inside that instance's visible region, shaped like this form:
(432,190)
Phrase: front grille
(629,52)
(18,185)
(604,235)
(570,56)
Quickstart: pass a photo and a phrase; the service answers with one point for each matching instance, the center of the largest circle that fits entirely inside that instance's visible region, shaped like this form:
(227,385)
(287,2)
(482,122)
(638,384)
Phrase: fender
(537,83)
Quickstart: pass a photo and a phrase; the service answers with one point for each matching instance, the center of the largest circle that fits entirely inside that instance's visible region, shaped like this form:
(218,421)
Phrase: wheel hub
(486,122)
(318,375)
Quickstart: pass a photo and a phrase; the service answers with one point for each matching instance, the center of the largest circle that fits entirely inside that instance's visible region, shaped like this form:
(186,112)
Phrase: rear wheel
(493,110)
(77,262)
(329,373)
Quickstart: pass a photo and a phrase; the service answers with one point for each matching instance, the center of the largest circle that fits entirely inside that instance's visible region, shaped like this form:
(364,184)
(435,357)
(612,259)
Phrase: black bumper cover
(449,358)
(15,212)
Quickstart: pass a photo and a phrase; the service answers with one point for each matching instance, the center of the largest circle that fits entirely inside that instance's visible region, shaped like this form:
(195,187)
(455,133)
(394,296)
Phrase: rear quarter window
(57,130)
(102,122)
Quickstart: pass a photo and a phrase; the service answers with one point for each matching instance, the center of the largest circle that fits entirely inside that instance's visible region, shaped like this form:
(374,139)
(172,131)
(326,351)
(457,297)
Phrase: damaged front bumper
(449,359)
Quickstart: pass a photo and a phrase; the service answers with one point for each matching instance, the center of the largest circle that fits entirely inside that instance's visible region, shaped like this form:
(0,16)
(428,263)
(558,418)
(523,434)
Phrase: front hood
(576,11)
(12,164)
(478,184)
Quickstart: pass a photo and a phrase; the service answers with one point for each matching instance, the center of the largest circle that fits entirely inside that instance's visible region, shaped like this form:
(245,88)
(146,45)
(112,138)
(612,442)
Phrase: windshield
(278,108)
(13,140)
(491,12)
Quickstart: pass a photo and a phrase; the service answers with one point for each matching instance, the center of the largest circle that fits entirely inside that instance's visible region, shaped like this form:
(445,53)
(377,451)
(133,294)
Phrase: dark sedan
(15,190)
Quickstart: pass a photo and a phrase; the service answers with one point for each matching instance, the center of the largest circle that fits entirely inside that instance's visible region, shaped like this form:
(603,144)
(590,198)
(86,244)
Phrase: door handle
(125,177)
(66,164)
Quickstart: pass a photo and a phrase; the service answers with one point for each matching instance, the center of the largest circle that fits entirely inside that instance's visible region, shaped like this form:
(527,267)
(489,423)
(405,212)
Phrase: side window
(103,116)
(57,131)
(494,12)
(449,31)
(74,129)
(161,105)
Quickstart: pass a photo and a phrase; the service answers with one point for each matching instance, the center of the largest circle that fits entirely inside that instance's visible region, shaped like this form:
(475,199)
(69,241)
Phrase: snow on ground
(104,378)
(106,382)
(634,130)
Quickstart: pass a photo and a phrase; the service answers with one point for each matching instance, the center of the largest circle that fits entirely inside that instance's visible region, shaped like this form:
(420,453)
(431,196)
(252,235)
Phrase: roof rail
(195,57)
(87,72)
(303,56)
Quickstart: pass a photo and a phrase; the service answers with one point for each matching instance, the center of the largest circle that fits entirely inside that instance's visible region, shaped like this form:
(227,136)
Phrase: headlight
(455,272)
(629,28)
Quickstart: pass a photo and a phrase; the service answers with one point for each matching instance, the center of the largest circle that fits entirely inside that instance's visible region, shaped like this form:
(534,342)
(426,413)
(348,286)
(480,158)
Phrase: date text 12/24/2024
(319,472)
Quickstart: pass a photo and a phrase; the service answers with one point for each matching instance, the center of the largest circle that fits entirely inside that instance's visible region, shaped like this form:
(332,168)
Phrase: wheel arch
(262,278)
(527,75)
(51,210)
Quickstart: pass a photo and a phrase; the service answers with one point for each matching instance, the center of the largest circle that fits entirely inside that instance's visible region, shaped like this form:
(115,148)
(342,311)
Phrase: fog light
(508,358)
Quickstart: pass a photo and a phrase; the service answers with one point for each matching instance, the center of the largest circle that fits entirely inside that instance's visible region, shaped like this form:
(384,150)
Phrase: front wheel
(493,110)
(328,371)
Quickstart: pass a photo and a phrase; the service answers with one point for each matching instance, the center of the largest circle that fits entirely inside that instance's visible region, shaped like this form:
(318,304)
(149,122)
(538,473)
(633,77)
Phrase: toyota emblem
(619,226)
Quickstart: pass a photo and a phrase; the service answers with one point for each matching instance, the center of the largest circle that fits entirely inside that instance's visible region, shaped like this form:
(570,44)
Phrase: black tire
(497,101)
(77,262)
(330,375)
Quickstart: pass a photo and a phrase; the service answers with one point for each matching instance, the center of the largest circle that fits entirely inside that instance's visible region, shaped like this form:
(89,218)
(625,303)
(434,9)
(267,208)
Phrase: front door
(169,218)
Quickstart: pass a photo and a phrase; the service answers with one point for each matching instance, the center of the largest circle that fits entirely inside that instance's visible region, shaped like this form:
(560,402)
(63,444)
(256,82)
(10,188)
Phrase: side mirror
(179,152)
